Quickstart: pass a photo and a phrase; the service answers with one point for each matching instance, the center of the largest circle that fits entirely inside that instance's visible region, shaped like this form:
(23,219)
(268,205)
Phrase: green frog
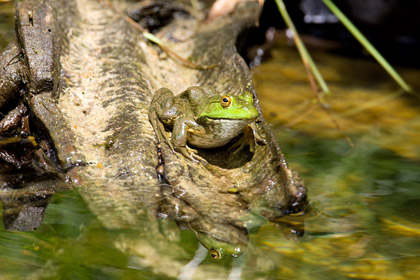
(203,118)
(218,248)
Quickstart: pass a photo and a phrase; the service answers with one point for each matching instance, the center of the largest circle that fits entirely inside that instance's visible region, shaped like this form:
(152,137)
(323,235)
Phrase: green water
(7,22)
(365,199)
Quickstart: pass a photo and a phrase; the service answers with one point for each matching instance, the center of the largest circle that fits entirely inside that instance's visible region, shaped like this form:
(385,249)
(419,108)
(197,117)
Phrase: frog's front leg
(179,137)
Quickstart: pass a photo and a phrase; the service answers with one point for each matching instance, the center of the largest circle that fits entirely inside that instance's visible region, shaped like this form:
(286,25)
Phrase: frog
(218,248)
(200,117)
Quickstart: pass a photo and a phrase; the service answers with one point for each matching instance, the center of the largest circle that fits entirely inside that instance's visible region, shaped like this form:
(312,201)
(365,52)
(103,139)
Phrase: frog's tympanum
(203,118)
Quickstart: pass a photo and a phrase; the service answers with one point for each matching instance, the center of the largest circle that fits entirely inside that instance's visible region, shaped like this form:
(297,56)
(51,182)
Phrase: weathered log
(91,77)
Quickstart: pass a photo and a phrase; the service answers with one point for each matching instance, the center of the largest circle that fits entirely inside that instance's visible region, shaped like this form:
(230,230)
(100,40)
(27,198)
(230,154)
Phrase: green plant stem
(368,46)
(310,68)
(306,58)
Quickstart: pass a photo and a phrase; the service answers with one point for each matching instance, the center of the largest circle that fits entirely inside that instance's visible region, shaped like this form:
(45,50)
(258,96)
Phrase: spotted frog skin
(202,118)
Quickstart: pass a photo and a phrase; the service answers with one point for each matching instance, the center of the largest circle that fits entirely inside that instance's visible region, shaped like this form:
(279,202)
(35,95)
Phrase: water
(7,22)
(365,199)
(367,195)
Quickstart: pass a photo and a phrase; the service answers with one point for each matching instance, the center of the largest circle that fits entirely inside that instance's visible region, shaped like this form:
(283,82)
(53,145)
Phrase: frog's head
(240,107)
(219,248)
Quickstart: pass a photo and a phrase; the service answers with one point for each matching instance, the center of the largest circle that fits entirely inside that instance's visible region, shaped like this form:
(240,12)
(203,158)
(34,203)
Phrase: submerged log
(91,76)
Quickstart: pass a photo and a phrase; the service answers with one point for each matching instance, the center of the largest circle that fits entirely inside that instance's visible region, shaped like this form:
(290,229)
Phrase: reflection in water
(222,230)
(237,268)
(23,212)
(187,272)
(25,195)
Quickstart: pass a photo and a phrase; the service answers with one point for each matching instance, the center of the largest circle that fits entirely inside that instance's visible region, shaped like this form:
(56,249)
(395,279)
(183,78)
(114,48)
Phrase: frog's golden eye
(225,101)
(214,254)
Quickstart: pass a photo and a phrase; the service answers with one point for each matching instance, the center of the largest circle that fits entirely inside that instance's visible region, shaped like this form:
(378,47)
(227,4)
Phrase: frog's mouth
(239,120)
(239,113)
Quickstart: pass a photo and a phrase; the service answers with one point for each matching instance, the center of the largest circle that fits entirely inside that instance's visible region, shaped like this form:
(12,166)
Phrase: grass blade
(307,59)
(368,46)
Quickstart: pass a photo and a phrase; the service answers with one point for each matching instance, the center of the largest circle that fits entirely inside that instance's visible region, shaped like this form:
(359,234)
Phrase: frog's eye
(225,101)
(214,254)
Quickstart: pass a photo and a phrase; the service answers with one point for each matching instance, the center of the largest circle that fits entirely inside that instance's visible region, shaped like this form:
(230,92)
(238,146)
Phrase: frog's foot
(191,154)
(182,127)
(257,137)
(250,138)
(239,145)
